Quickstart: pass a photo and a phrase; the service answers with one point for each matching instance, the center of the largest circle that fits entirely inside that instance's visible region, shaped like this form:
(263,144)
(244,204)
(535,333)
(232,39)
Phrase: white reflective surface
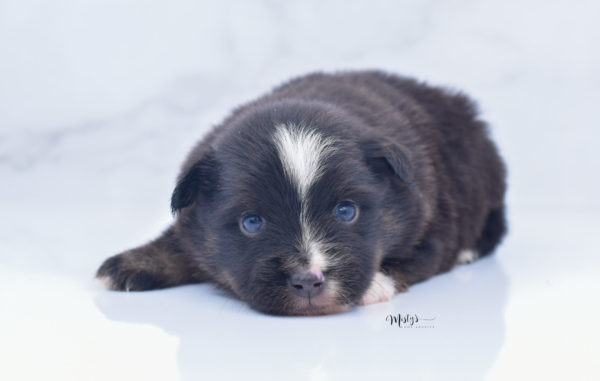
(100,102)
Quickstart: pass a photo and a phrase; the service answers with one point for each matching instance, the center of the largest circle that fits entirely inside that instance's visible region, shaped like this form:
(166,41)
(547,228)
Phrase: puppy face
(294,214)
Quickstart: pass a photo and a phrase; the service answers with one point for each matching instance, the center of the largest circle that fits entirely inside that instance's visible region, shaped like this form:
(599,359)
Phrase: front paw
(382,289)
(119,273)
(467,256)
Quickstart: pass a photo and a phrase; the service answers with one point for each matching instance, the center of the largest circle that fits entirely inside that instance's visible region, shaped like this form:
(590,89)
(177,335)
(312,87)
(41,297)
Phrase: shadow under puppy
(330,191)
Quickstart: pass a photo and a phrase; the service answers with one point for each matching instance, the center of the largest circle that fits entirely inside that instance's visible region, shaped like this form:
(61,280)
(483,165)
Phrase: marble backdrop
(101,100)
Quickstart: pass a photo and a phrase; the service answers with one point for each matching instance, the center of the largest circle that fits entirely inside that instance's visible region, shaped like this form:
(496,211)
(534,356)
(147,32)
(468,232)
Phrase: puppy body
(360,184)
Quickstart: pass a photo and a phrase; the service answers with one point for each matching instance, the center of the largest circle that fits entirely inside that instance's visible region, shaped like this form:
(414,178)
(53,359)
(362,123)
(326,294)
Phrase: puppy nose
(308,284)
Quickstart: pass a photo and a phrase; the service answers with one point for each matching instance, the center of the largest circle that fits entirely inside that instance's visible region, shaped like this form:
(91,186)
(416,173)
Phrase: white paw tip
(382,289)
(106,281)
(467,256)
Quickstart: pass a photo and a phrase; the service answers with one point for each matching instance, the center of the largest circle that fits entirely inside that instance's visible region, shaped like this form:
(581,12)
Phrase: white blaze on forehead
(302,152)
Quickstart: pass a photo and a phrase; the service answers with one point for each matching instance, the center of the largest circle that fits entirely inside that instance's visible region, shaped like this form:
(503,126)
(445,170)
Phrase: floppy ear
(388,159)
(200,180)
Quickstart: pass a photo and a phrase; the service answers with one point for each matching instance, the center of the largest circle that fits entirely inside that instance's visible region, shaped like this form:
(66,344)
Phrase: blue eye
(345,211)
(252,223)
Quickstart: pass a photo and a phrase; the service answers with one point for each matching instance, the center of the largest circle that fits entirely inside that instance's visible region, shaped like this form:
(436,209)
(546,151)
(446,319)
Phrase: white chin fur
(382,289)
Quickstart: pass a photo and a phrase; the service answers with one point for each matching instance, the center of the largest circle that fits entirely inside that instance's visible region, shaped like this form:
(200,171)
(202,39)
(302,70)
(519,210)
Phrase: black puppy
(330,191)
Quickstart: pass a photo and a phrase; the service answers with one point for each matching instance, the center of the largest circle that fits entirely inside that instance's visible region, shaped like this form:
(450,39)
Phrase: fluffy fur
(416,161)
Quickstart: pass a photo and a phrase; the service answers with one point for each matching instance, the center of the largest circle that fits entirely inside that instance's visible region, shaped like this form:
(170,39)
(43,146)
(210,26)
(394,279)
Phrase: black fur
(201,178)
(416,160)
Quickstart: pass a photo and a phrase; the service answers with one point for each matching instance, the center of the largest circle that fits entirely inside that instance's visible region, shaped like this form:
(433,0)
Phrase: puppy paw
(118,273)
(382,289)
(467,256)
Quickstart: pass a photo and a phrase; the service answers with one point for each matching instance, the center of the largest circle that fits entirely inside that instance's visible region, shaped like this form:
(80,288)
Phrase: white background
(101,100)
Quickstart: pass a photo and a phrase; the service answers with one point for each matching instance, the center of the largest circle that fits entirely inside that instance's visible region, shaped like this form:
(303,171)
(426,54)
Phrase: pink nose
(308,284)
(318,273)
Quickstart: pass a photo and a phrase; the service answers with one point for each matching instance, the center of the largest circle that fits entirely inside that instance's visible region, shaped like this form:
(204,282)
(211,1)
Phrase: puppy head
(288,209)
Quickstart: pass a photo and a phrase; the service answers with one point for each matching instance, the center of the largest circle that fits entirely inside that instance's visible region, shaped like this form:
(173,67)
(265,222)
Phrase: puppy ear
(200,180)
(388,159)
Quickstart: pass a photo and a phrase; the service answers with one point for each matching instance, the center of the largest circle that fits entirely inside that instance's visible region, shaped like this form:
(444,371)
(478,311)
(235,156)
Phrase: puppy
(332,190)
